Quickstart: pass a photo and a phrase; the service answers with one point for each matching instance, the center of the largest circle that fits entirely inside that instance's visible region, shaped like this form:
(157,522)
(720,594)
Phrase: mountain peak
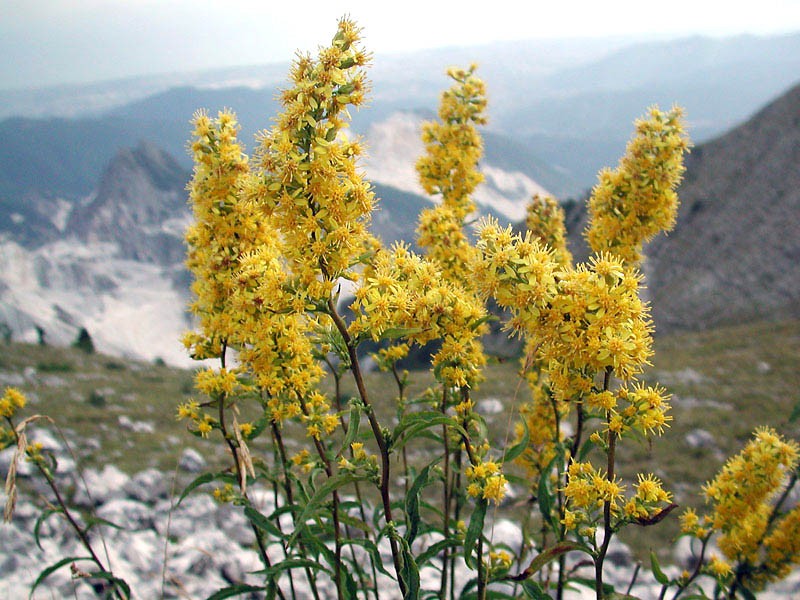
(140,203)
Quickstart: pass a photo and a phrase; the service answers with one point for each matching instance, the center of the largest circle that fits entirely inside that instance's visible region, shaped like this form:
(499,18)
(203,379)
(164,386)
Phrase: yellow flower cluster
(486,481)
(441,234)
(742,492)
(216,383)
(587,490)
(361,461)
(518,272)
(11,402)
(500,561)
(311,186)
(545,220)
(402,291)
(224,494)
(224,228)
(304,461)
(645,410)
(589,317)
(203,422)
(649,499)
(386,357)
(449,169)
(453,145)
(633,203)
(782,546)
(317,417)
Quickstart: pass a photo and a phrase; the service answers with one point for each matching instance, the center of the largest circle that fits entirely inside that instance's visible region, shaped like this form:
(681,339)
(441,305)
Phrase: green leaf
(534,590)
(520,446)
(656,568)
(590,583)
(373,551)
(320,495)
(795,413)
(53,568)
(394,333)
(46,514)
(412,501)
(352,426)
(295,563)
(545,498)
(262,522)
(355,522)
(91,521)
(435,550)
(748,595)
(409,571)
(414,423)
(235,590)
(202,480)
(474,530)
(547,556)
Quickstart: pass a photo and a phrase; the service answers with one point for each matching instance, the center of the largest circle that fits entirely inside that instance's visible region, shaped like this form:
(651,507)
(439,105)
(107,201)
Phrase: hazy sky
(57,41)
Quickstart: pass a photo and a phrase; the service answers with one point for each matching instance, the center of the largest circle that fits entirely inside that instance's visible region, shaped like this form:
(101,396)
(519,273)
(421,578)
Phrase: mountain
(735,253)
(580,117)
(110,263)
(140,205)
(570,102)
(394,145)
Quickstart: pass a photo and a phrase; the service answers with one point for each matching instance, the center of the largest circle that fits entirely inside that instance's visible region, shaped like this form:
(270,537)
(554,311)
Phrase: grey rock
(700,438)
(102,486)
(192,461)
(128,514)
(148,486)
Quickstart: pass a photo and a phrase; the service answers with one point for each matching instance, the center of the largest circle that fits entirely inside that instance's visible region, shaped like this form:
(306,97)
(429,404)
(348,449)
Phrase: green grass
(726,382)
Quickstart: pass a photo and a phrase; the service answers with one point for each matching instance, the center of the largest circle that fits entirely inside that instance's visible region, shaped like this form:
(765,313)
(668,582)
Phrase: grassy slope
(726,382)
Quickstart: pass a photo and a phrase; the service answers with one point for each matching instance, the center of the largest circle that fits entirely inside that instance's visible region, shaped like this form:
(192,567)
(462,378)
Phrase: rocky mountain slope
(112,261)
(735,253)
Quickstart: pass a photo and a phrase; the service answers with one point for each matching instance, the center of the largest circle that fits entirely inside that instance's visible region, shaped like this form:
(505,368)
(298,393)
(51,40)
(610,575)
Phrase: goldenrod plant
(277,237)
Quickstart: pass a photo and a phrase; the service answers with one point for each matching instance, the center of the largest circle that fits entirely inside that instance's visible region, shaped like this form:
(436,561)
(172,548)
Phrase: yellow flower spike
(633,203)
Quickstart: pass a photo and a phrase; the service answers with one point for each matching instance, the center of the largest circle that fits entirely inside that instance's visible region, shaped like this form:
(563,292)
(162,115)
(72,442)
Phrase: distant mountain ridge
(735,252)
(92,212)
(569,105)
(734,255)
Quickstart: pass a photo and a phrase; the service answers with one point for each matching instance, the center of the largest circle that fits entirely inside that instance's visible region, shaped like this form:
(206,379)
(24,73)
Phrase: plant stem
(347,532)
(383,447)
(79,531)
(337,563)
(481,570)
(607,529)
(277,440)
(447,498)
(241,477)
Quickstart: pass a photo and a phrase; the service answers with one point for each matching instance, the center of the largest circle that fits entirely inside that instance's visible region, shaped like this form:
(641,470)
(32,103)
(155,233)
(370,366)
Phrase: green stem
(607,529)
(240,477)
(447,498)
(277,439)
(361,509)
(380,439)
(79,531)
(337,563)
(481,570)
